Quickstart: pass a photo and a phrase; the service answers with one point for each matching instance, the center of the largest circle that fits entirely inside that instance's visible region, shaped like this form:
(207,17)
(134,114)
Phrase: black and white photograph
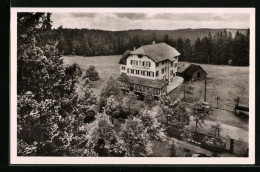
(132,86)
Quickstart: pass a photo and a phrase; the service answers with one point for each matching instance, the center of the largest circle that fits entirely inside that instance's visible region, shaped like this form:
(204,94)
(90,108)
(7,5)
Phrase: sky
(152,21)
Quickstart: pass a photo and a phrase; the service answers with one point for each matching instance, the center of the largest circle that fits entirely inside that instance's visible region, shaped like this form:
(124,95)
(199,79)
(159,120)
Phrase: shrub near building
(92,74)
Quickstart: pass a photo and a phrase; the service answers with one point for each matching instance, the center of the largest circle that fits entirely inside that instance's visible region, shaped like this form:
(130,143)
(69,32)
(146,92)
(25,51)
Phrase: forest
(215,47)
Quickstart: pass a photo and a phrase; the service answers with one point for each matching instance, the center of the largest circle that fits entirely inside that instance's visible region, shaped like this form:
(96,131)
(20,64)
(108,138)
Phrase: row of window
(140,63)
(172,64)
(147,73)
(172,74)
(140,72)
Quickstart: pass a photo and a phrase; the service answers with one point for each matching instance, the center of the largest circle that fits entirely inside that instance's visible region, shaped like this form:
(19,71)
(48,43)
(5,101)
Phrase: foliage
(214,46)
(216,144)
(114,107)
(90,116)
(149,99)
(92,74)
(172,148)
(111,87)
(103,129)
(217,129)
(130,99)
(117,148)
(186,132)
(199,115)
(153,127)
(135,135)
(50,113)
(174,112)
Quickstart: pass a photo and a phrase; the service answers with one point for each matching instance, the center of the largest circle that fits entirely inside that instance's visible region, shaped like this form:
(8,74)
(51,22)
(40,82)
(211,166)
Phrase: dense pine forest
(213,46)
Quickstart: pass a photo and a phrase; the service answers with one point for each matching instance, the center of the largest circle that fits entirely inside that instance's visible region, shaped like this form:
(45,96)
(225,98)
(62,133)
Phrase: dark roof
(157,52)
(191,69)
(183,66)
(142,81)
(124,57)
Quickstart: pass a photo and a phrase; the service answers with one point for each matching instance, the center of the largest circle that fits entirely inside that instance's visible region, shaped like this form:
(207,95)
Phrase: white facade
(145,67)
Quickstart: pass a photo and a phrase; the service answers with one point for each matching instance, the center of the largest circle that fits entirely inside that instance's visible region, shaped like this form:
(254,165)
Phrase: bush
(173,132)
(215,144)
(92,74)
(90,116)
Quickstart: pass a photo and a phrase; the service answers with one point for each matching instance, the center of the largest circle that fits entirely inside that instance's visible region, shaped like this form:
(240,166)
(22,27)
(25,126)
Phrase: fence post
(231,148)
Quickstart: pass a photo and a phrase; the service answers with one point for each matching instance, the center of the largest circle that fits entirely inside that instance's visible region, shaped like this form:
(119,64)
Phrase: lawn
(106,66)
(228,82)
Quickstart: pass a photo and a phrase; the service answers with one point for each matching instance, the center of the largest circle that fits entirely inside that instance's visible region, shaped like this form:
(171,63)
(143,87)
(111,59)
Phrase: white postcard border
(14,159)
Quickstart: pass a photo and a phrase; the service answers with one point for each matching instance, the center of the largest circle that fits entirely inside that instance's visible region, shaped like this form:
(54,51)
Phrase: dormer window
(140,56)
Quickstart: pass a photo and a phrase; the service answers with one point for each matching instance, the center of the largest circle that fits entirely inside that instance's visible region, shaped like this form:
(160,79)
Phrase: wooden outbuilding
(191,72)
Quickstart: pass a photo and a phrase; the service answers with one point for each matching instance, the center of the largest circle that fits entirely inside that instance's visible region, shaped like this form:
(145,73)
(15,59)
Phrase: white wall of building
(167,65)
(122,69)
(140,67)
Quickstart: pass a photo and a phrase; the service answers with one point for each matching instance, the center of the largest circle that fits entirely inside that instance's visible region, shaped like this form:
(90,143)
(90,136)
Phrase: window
(140,56)
(131,62)
(162,62)
(132,71)
(171,73)
(165,68)
(156,91)
(162,70)
(148,73)
(140,63)
(123,67)
(175,65)
(146,64)
(151,74)
(143,73)
(157,73)
(142,88)
(127,70)
(157,64)
(172,64)
(174,74)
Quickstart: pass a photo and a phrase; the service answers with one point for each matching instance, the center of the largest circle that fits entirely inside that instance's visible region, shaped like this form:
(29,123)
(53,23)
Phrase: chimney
(134,48)
(153,42)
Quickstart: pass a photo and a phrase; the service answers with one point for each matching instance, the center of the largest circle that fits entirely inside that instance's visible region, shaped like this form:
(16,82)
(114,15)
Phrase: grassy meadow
(227,82)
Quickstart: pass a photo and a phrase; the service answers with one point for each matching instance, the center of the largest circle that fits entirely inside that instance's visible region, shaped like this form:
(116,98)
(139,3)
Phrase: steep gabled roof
(124,57)
(157,52)
(183,66)
(191,69)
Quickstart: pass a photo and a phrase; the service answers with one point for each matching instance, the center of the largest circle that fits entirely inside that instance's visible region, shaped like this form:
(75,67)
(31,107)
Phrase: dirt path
(227,131)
